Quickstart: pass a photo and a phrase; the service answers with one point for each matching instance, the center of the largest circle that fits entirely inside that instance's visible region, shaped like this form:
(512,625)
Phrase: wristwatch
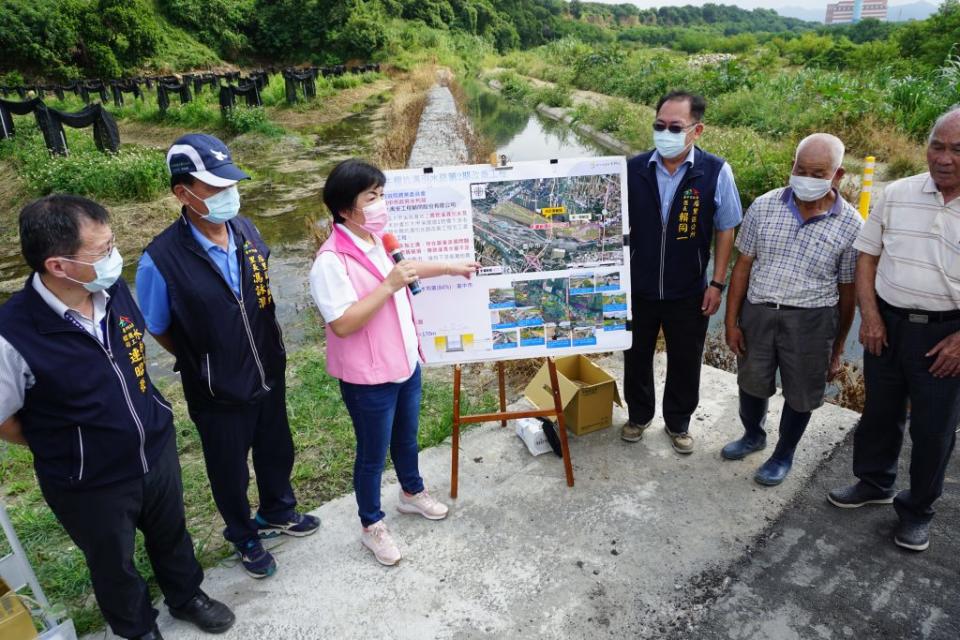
(718,285)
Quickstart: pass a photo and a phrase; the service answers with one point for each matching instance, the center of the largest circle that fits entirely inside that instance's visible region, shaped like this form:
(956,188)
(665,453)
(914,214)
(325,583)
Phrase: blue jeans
(384,415)
(753,415)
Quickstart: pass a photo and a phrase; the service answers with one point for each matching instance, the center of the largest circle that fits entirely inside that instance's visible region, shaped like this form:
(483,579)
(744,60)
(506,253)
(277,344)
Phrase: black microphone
(392,245)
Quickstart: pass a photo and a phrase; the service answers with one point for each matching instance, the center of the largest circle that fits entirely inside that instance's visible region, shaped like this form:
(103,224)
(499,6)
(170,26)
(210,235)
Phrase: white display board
(555,276)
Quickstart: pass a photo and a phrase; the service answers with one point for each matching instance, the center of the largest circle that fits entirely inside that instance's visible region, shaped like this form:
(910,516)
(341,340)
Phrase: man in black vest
(204,287)
(75,390)
(680,198)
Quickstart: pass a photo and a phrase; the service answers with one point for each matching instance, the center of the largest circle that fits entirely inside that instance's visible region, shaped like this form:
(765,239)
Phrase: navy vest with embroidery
(92,417)
(670,262)
(229,348)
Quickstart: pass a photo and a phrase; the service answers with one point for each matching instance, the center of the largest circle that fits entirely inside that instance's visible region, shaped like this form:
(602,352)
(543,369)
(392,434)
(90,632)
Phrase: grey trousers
(798,342)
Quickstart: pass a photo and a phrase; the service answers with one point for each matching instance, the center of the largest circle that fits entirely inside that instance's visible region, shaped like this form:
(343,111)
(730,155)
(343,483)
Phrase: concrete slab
(523,556)
(824,573)
(439,140)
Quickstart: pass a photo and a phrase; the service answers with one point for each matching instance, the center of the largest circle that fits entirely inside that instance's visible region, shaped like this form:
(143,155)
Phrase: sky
(746,4)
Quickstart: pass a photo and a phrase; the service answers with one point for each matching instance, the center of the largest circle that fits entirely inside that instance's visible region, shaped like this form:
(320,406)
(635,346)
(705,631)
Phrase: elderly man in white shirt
(908,287)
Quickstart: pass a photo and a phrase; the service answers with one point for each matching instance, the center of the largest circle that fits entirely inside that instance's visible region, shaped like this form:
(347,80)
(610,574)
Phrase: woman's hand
(465,269)
(400,276)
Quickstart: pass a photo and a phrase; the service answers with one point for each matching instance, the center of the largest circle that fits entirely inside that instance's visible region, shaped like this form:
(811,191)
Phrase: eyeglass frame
(98,256)
(673,128)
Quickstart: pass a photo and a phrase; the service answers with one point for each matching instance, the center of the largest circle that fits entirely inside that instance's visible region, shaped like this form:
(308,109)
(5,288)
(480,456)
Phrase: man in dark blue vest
(204,287)
(75,390)
(681,199)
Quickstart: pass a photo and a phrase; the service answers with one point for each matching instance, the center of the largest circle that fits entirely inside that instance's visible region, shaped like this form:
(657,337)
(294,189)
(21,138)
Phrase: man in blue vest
(75,390)
(204,287)
(680,199)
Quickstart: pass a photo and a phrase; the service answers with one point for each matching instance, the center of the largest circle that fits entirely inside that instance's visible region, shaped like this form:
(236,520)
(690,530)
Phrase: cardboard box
(15,620)
(586,391)
(531,432)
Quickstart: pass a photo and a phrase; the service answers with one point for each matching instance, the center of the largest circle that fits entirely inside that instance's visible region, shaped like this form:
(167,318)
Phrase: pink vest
(374,354)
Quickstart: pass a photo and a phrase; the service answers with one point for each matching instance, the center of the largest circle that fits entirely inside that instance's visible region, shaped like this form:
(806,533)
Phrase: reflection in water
(522,135)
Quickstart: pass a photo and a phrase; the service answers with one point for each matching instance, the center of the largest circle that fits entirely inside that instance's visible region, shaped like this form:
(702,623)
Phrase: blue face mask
(108,270)
(669,145)
(221,206)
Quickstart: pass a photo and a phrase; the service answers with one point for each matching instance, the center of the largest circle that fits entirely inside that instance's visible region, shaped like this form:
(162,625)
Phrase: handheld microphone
(392,245)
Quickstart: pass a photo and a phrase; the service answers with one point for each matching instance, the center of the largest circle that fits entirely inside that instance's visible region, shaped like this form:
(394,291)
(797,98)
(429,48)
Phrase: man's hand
(947,351)
(736,341)
(711,301)
(836,364)
(873,333)
(12,431)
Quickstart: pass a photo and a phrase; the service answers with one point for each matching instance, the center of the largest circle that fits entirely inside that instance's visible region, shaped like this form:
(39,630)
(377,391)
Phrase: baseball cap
(205,158)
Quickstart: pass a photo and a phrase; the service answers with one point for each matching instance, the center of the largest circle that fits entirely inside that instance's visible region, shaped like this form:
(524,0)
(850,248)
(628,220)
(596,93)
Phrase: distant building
(843,11)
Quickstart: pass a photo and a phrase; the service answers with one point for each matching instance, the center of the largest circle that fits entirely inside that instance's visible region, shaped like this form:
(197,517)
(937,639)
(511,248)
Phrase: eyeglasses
(673,128)
(98,256)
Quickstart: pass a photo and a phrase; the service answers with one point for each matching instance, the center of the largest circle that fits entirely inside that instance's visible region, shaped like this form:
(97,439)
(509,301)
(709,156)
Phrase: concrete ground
(439,140)
(643,543)
(822,572)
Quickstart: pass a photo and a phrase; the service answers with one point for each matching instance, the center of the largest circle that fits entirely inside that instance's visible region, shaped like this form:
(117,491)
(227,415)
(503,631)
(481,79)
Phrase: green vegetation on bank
(138,173)
(324,442)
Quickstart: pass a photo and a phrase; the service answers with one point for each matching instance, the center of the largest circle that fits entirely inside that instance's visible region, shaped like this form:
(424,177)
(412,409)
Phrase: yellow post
(867,189)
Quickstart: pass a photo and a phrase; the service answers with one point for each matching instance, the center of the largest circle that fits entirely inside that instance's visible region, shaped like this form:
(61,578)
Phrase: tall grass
(133,174)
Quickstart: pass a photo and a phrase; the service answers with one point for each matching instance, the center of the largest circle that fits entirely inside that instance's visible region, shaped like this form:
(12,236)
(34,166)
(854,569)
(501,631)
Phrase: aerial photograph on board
(548,224)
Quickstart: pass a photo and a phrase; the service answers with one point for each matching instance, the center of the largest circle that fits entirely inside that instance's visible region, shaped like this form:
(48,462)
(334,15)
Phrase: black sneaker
(301,524)
(912,535)
(153,634)
(205,613)
(859,494)
(256,560)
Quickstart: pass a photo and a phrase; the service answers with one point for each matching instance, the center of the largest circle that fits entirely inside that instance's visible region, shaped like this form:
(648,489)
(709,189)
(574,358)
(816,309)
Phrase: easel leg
(503,393)
(561,423)
(455,450)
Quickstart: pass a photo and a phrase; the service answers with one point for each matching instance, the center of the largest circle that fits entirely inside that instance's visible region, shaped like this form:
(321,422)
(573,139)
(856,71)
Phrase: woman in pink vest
(372,345)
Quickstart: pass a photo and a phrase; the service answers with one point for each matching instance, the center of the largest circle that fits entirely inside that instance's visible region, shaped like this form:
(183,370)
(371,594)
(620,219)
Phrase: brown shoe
(682,442)
(633,432)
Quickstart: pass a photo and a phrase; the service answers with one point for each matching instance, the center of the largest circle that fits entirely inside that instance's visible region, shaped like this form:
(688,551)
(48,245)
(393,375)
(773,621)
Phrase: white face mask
(221,206)
(107,269)
(810,189)
(670,145)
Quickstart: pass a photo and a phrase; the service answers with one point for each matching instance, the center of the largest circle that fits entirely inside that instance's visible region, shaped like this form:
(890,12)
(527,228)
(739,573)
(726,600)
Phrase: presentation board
(550,238)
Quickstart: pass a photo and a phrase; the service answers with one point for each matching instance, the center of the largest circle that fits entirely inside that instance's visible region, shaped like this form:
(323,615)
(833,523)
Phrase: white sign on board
(555,276)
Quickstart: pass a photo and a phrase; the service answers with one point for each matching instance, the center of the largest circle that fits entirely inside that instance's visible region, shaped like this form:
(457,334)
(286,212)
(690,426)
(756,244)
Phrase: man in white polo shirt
(908,287)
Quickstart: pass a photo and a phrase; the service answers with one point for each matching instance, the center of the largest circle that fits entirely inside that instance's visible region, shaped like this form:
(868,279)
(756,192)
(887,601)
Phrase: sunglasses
(673,128)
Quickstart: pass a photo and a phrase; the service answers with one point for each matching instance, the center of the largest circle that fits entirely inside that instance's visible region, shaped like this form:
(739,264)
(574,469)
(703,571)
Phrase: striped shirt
(917,237)
(798,262)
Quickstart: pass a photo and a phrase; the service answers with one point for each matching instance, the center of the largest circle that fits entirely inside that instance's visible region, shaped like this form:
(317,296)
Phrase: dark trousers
(898,375)
(228,433)
(385,416)
(103,522)
(753,415)
(684,329)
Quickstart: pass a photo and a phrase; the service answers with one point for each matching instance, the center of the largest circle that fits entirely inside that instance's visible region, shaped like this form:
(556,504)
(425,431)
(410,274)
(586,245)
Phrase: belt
(782,307)
(919,316)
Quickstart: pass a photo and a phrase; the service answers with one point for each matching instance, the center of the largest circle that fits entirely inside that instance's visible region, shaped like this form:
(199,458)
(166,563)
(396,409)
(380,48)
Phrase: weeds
(135,173)
(403,118)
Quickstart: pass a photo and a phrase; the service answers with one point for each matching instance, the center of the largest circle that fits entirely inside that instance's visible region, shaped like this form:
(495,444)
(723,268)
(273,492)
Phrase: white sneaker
(377,538)
(424,504)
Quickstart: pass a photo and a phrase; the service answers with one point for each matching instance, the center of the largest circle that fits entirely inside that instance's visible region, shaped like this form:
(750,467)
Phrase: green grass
(324,442)
(133,174)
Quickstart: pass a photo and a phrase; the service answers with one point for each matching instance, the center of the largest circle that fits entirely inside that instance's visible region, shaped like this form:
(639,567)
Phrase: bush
(243,119)
(135,173)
